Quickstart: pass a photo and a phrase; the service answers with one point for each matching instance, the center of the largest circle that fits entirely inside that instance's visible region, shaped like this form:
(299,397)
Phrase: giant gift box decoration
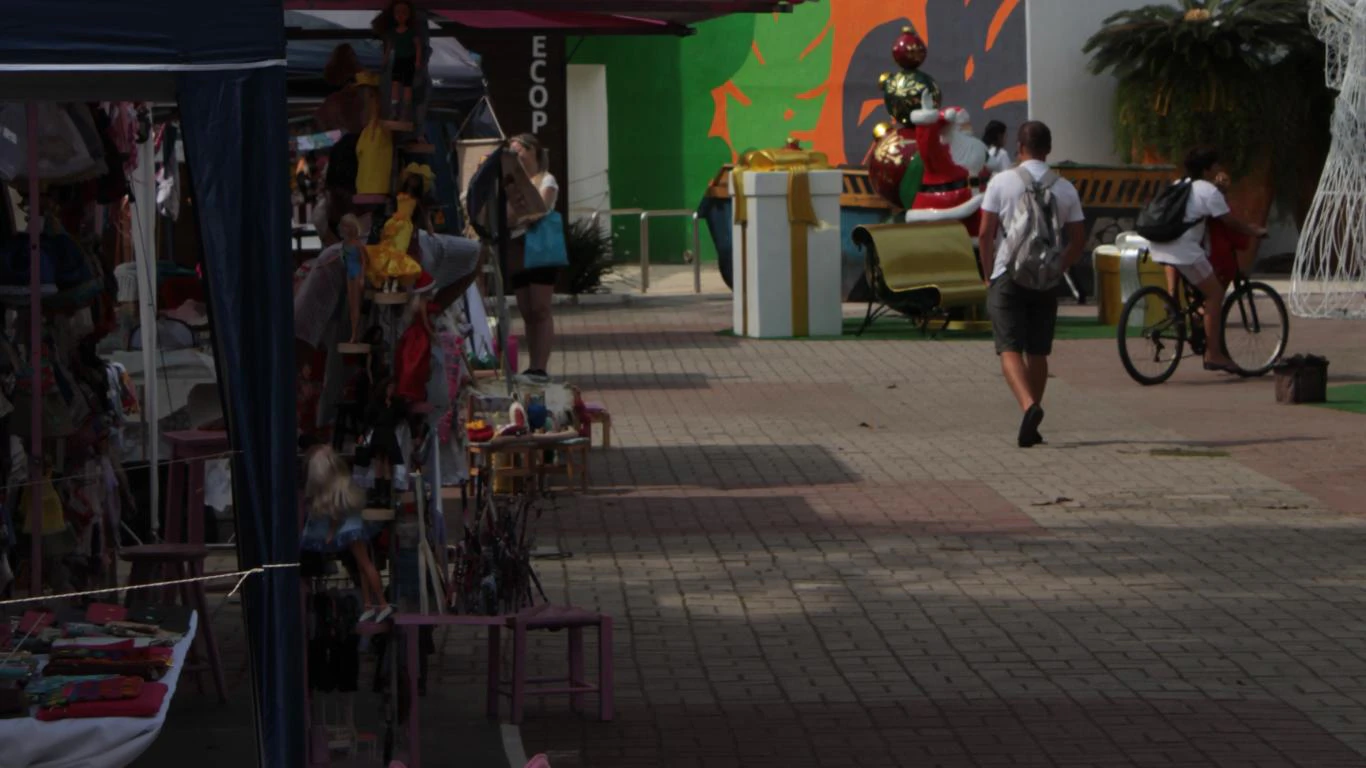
(786,222)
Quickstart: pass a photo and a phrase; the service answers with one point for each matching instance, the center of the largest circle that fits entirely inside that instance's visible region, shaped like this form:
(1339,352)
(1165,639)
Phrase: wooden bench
(920,270)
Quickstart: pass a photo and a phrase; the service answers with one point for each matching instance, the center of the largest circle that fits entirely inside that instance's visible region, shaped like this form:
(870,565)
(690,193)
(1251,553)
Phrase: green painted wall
(679,109)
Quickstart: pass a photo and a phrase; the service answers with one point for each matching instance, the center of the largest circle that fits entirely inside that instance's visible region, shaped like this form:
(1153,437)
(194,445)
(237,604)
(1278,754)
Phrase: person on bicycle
(1186,255)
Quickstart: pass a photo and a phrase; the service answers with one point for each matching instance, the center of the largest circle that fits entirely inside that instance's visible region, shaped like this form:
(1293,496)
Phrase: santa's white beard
(968,151)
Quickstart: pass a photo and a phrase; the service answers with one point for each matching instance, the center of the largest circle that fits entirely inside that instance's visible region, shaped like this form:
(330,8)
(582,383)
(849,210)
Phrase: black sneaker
(1029,427)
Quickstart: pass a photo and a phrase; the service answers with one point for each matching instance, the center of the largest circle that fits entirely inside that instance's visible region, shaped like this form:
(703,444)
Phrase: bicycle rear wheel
(1256,328)
(1152,333)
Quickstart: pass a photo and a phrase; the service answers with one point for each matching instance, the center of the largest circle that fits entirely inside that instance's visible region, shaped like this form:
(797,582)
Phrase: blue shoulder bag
(545,245)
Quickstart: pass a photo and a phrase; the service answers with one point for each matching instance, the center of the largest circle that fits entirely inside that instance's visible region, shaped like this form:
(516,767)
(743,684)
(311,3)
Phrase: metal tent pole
(35,353)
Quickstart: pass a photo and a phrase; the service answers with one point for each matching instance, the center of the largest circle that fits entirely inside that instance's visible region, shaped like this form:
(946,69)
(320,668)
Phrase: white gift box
(775,292)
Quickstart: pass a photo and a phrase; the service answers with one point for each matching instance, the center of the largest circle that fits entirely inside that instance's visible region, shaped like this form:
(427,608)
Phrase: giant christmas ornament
(902,91)
(894,166)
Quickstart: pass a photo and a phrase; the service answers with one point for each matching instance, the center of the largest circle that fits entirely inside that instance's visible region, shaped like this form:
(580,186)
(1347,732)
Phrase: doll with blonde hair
(354,254)
(335,525)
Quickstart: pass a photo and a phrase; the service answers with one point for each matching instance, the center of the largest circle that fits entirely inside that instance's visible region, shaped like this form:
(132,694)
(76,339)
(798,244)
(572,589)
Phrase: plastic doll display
(335,524)
(380,448)
(389,265)
(414,353)
(397,27)
(354,255)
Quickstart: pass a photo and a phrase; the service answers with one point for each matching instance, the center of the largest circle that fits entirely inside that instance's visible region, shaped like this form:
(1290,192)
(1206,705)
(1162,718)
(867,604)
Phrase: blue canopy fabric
(237,145)
(229,58)
(141,34)
(456,79)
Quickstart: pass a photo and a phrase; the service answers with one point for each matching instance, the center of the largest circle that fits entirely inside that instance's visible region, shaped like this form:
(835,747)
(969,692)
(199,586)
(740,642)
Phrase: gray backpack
(1033,241)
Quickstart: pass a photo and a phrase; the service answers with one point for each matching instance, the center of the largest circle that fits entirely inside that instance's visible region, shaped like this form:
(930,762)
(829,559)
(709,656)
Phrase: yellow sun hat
(425,171)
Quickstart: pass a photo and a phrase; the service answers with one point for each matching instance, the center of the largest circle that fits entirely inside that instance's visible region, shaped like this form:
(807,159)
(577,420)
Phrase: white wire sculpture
(1330,261)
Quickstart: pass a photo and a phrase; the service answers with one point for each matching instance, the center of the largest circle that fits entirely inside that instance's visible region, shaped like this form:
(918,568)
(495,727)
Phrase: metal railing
(645,217)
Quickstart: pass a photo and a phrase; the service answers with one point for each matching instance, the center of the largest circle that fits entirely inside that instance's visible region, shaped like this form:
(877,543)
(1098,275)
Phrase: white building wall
(587,187)
(1062,91)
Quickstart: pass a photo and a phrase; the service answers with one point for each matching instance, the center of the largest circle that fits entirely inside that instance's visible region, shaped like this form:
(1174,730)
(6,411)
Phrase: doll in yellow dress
(388,265)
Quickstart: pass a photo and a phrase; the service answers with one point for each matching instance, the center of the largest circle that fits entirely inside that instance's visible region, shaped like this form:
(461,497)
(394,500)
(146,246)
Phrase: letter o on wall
(538,96)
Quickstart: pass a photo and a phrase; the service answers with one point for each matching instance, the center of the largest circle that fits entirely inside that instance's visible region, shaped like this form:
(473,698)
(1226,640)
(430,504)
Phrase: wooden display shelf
(377,514)
(391,298)
(347,348)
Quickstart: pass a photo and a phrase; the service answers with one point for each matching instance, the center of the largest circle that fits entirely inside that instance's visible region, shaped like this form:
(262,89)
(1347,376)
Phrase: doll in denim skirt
(335,524)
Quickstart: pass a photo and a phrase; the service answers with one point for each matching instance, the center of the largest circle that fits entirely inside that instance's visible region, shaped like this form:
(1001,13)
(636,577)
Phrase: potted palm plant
(1243,75)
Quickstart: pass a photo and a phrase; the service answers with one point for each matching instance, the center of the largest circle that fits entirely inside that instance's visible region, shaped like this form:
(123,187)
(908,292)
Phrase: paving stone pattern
(833,554)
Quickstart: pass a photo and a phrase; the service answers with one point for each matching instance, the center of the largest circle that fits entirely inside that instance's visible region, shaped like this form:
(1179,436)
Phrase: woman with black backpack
(1175,224)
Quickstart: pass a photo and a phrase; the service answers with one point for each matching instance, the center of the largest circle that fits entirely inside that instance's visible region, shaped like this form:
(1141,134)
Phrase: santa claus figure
(969,151)
(949,191)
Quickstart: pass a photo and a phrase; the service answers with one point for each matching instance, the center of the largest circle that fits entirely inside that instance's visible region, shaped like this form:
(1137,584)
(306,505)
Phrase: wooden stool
(571,460)
(598,414)
(185,482)
(554,617)
(157,562)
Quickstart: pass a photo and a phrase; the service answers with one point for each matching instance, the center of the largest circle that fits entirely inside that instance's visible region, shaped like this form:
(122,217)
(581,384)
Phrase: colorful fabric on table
(39,689)
(107,689)
(146,704)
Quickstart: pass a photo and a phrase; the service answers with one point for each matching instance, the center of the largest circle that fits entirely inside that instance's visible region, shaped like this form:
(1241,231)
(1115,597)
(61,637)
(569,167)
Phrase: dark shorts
(404,70)
(1022,320)
(537,276)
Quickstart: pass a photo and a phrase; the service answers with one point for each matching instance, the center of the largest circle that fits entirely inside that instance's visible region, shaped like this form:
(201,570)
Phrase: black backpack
(1164,218)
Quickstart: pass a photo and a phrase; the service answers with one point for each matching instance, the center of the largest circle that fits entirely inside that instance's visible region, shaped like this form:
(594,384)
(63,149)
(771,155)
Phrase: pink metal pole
(35,354)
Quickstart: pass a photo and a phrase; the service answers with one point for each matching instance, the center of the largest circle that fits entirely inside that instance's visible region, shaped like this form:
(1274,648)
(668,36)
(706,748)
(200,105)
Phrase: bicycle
(1154,329)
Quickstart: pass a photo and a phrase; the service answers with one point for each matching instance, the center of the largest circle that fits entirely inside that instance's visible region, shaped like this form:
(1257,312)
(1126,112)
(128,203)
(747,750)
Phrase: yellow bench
(920,270)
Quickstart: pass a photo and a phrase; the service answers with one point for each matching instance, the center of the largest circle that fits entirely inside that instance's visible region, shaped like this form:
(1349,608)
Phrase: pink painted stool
(182,553)
(185,478)
(554,617)
(598,414)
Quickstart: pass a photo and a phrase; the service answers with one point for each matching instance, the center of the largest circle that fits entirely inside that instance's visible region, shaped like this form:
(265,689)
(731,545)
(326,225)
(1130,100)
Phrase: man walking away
(1032,233)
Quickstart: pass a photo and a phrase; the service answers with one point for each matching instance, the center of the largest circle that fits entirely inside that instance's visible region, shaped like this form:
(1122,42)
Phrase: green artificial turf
(1346,397)
(897,328)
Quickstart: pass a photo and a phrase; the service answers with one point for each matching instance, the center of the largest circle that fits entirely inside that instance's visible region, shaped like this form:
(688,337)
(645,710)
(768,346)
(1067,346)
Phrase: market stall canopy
(574,16)
(455,71)
(225,66)
(568,22)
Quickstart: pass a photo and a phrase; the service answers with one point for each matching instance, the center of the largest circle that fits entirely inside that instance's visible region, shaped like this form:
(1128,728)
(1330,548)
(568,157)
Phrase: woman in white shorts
(1187,254)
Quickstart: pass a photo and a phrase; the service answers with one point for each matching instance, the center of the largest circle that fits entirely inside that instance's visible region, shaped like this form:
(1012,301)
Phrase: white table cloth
(97,742)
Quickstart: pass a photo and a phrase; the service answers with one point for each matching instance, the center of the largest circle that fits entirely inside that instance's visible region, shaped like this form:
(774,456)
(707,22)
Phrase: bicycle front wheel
(1256,328)
(1152,333)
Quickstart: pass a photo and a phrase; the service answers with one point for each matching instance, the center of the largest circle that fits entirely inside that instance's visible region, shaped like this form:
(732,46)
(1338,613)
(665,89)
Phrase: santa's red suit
(945,192)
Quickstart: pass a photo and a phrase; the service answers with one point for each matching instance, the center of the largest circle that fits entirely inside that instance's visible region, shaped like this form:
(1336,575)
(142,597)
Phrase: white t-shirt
(547,181)
(1205,201)
(998,160)
(1005,189)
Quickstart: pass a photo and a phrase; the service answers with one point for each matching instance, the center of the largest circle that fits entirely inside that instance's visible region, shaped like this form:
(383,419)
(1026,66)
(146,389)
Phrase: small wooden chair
(182,553)
(556,617)
(598,414)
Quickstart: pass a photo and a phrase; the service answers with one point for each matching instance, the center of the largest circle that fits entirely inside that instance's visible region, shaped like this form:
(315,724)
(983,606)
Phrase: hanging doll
(397,27)
(388,265)
(354,254)
(414,353)
(380,447)
(335,524)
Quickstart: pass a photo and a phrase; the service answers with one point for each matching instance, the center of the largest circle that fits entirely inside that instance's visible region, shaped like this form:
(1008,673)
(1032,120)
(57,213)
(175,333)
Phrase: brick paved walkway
(832,553)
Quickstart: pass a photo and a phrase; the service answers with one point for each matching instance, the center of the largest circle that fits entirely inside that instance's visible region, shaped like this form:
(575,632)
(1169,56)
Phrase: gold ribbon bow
(801,215)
